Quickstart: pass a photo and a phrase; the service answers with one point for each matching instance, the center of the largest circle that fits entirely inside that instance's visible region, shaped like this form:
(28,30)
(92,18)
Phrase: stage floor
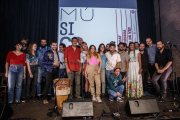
(37,110)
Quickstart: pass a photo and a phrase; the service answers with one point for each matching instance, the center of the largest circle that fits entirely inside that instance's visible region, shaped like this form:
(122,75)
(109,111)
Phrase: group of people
(117,73)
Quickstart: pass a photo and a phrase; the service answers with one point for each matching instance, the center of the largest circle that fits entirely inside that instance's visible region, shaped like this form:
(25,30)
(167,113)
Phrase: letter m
(62,10)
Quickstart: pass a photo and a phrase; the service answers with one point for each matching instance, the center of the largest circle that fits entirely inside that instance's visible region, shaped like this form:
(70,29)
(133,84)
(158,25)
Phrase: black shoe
(27,100)
(23,100)
(163,98)
(10,104)
(103,95)
(34,99)
(89,95)
(158,95)
(17,102)
(85,95)
(39,97)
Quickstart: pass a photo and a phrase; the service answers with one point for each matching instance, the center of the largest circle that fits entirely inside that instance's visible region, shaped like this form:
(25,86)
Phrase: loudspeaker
(5,111)
(77,109)
(135,107)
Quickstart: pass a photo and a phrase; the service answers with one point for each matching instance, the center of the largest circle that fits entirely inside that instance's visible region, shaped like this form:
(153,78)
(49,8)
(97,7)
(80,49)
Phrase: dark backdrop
(39,18)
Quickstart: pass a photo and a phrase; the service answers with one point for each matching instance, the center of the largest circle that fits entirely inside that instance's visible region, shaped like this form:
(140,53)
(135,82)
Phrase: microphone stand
(174,74)
(55,108)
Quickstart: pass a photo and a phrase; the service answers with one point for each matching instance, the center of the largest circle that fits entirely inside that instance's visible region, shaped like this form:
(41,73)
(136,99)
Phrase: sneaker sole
(120,101)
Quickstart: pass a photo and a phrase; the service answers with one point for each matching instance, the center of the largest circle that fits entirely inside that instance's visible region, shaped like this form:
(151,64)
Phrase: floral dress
(134,84)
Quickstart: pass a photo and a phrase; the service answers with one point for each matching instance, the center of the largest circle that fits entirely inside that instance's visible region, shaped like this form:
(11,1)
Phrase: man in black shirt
(163,61)
(145,72)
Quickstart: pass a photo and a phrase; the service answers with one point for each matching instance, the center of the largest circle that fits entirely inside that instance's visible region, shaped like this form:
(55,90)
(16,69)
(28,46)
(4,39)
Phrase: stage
(37,110)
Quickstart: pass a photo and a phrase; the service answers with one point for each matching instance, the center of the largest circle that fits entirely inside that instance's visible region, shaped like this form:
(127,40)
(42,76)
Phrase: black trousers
(34,71)
(124,74)
(145,75)
(50,76)
(152,69)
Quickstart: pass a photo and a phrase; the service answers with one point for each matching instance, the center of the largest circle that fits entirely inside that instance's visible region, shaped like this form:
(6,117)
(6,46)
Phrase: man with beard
(41,70)
(163,61)
(125,46)
(51,64)
(145,72)
(107,47)
(136,46)
(24,42)
(124,64)
(113,60)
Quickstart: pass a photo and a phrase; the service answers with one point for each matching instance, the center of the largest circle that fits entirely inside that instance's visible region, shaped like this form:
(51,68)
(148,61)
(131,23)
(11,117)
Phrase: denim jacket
(49,59)
(39,54)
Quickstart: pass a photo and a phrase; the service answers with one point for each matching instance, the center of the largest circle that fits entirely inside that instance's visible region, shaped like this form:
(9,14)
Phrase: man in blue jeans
(115,85)
(62,67)
(113,59)
(41,70)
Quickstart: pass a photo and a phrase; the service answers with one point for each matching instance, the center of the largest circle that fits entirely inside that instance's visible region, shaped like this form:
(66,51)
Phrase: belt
(40,66)
(152,63)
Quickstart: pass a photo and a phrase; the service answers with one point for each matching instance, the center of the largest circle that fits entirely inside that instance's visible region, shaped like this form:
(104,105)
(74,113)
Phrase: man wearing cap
(115,85)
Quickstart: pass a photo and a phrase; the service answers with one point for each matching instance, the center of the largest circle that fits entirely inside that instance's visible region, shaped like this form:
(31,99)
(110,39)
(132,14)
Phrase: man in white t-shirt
(113,60)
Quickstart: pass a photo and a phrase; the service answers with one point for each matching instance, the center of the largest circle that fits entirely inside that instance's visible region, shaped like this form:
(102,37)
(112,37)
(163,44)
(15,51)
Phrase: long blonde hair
(89,54)
(83,43)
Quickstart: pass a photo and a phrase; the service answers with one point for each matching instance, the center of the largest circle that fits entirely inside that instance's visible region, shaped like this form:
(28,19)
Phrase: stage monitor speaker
(77,109)
(136,107)
(5,111)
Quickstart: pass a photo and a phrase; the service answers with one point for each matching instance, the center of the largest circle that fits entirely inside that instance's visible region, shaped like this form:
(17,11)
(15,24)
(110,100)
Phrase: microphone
(169,44)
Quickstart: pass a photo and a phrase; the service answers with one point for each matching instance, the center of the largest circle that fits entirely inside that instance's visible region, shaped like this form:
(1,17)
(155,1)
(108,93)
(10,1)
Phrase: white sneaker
(94,98)
(111,99)
(119,99)
(98,99)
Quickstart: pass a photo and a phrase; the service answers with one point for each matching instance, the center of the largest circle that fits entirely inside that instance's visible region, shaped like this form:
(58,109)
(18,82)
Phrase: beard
(141,49)
(43,46)
(160,48)
(121,49)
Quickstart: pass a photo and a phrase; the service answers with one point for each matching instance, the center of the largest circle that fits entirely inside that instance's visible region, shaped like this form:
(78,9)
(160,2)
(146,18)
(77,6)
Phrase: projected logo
(126,26)
(97,25)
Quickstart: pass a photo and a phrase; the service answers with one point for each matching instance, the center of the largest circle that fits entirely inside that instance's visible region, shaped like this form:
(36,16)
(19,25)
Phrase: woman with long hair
(93,72)
(134,85)
(102,51)
(16,72)
(32,67)
(83,56)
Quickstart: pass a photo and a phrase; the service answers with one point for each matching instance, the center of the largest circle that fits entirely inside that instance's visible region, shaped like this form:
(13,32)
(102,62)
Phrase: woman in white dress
(134,85)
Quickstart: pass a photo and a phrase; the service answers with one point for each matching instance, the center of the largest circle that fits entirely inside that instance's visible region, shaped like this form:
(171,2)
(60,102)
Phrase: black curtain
(146,18)
(39,18)
(33,19)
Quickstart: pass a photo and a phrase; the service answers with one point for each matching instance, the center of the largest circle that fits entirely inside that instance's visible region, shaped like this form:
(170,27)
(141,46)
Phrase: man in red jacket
(73,66)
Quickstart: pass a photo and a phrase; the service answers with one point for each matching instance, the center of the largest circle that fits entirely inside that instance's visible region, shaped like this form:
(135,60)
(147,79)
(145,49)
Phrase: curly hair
(89,54)
(29,50)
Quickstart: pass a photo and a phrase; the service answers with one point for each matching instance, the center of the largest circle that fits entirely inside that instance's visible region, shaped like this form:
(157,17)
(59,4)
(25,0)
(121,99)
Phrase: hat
(116,68)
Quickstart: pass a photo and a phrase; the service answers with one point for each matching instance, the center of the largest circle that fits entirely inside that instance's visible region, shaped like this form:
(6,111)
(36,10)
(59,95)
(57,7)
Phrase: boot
(88,95)
(85,95)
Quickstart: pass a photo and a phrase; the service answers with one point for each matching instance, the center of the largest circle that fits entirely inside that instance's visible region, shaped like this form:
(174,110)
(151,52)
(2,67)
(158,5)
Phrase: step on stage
(38,111)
